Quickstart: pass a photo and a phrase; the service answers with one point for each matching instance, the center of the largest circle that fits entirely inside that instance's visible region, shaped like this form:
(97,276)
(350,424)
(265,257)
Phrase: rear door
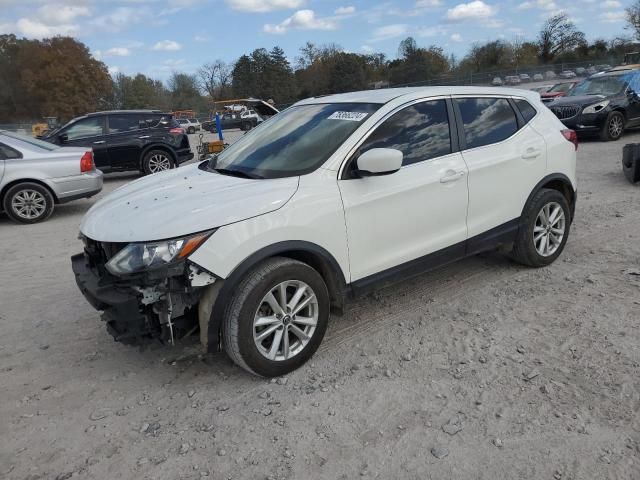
(88,132)
(506,158)
(127,133)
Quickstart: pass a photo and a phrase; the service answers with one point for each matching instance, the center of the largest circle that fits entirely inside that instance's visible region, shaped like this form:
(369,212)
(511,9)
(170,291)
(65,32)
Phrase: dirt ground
(480,370)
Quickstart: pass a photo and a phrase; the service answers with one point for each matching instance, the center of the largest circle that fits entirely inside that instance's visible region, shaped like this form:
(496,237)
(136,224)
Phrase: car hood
(582,100)
(180,202)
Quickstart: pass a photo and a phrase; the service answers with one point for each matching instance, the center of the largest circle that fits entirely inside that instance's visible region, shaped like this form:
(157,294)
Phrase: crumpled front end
(157,304)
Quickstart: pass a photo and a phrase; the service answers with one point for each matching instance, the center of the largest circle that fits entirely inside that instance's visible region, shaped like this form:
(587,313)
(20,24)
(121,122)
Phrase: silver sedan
(36,175)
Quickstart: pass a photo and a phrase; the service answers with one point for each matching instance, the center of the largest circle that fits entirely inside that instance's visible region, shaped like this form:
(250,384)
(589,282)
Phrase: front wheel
(156,161)
(613,127)
(191,130)
(277,317)
(28,203)
(544,229)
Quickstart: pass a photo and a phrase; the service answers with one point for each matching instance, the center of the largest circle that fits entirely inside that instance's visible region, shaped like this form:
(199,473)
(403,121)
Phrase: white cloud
(167,46)
(614,17)
(541,4)
(456,37)
(117,52)
(389,31)
(469,11)
(428,3)
(200,38)
(58,14)
(367,49)
(301,20)
(113,70)
(50,20)
(120,18)
(345,10)
(434,31)
(37,29)
(611,4)
(264,5)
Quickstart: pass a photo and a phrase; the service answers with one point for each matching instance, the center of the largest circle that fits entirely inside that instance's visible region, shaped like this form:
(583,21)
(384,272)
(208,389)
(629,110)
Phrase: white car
(330,198)
(251,114)
(190,125)
(496,82)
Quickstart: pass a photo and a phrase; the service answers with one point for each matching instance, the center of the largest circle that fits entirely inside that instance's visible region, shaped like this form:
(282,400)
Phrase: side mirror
(63,138)
(379,161)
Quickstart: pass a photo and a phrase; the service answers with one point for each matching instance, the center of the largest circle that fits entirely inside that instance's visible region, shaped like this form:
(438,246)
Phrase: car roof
(105,112)
(385,95)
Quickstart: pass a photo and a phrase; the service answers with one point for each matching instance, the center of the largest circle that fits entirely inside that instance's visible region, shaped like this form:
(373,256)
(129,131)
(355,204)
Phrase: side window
(88,127)
(124,123)
(487,120)
(527,111)
(8,153)
(420,132)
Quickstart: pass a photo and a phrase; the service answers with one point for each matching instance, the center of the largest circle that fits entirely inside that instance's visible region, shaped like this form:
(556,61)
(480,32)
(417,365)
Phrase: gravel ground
(480,370)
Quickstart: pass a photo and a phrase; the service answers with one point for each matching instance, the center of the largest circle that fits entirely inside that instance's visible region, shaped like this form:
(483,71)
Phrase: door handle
(531,153)
(100,142)
(145,136)
(452,176)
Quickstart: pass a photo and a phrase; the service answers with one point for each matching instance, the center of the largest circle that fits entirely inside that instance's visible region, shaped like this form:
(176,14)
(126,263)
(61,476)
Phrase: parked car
(550,75)
(567,74)
(557,90)
(496,82)
(231,120)
(251,114)
(145,140)
(512,80)
(326,203)
(603,67)
(538,77)
(36,175)
(541,89)
(524,77)
(604,104)
(190,125)
(581,71)
(591,70)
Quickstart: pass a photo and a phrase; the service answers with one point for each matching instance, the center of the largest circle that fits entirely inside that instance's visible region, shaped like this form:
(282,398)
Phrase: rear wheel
(28,203)
(277,317)
(613,127)
(191,130)
(155,161)
(544,229)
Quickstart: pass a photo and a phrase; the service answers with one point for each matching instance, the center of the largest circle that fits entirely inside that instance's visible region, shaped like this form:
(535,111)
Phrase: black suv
(145,140)
(605,104)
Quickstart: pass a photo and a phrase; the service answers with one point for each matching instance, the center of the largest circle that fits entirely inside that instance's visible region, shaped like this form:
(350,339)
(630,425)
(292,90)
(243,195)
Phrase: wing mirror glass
(379,161)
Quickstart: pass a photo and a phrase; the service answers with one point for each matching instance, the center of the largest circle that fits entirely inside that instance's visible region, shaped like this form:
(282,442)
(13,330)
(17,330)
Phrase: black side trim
(79,196)
(489,240)
(300,250)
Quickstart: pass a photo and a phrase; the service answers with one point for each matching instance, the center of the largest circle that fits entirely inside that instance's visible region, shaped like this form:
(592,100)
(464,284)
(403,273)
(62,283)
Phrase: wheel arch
(310,253)
(17,181)
(559,182)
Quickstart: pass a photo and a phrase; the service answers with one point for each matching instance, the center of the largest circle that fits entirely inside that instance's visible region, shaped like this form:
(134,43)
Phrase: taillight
(572,136)
(86,162)
(176,130)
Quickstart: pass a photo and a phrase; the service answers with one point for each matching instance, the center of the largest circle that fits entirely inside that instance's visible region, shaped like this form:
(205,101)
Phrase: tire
(28,202)
(245,127)
(530,250)
(239,331)
(613,127)
(191,130)
(155,161)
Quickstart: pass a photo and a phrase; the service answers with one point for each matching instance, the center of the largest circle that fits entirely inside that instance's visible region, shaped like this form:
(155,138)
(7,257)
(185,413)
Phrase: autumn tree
(557,36)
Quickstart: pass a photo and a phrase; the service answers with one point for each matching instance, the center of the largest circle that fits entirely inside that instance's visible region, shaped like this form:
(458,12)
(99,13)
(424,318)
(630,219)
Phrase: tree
(632,14)
(558,35)
(214,79)
(184,92)
(417,64)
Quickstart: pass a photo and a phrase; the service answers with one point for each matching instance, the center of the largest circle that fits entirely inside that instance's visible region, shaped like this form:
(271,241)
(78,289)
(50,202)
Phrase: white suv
(326,200)
(190,125)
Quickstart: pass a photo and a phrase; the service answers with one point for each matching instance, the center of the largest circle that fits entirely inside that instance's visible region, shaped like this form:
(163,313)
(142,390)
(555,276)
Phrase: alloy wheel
(159,162)
(286,320)
(29,204)
(549,229)
(615,126)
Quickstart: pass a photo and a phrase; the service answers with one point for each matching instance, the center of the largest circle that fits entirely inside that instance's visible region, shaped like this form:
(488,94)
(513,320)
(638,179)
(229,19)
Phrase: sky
(157,37)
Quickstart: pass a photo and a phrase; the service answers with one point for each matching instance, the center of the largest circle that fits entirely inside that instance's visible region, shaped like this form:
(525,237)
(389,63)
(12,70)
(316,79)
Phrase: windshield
(34,142)
(294,142)
(561,87)
(605,85)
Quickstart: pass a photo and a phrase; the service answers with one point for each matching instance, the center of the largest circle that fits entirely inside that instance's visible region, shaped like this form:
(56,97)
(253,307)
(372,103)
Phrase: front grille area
(565,111)
(100,253)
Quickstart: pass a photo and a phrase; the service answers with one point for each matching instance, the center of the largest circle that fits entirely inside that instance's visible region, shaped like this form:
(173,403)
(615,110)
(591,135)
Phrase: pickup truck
(242,120)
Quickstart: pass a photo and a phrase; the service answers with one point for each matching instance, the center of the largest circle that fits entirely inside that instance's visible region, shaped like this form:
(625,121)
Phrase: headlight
(137,257)
(596,107)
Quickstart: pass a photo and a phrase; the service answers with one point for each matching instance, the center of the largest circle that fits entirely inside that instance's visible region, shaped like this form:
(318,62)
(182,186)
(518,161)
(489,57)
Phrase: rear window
(487,120)
(31,142)
(526,110)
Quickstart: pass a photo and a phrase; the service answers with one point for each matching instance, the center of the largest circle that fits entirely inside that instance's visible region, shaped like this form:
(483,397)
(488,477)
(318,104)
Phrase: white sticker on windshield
(350,116)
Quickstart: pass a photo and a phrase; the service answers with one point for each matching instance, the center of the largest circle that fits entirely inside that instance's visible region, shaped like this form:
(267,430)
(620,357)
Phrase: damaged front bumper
(159,304)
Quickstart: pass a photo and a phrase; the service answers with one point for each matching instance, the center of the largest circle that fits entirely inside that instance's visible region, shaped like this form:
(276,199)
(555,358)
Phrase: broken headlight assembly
(139,257)
(596,107)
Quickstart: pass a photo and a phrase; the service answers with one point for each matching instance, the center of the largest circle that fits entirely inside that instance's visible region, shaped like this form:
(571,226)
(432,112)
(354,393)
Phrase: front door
(87,132)
(418,210)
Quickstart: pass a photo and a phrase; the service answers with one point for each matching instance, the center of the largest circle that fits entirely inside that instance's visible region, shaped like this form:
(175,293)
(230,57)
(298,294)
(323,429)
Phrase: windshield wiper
(237,173)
